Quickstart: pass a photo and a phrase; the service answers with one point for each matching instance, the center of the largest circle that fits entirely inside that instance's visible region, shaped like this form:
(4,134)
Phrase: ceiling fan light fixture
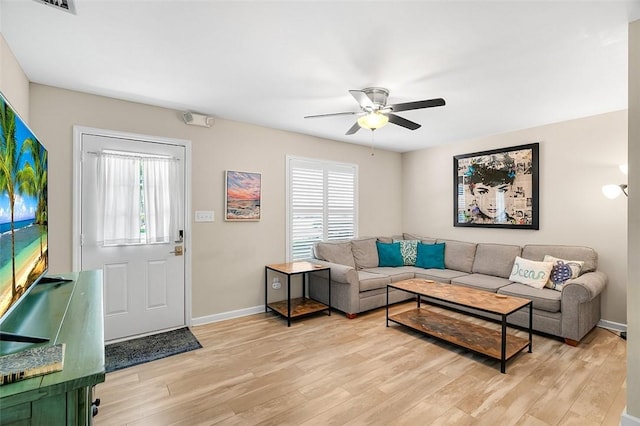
(373,120)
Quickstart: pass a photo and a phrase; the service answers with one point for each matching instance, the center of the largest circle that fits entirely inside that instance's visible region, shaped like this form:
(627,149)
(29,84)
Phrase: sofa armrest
(584,288)
(340,273)
(581,305)
(345,287)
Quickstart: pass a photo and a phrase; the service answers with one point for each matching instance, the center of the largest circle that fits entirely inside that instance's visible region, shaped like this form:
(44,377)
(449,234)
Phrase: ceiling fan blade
(353,129)
(362,98)
(418,105)
(332,114)
(396,119)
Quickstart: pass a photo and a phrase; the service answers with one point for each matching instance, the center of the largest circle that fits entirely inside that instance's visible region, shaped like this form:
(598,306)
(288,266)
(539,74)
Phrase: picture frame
(498,188)
(243,196)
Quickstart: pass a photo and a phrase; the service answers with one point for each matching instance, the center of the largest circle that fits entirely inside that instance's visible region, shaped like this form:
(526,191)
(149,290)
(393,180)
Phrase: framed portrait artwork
(243,196)
(497,188)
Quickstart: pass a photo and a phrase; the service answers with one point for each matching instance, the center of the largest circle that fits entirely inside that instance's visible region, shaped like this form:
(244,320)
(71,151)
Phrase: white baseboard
(609,325)
(628,419)
(615,326)
(227,315)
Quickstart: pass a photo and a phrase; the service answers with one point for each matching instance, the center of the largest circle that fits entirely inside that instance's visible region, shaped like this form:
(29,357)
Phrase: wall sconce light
(613,191)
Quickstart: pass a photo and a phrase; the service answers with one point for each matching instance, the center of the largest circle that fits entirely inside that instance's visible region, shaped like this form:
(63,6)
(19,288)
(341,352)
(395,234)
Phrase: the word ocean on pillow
(531,273)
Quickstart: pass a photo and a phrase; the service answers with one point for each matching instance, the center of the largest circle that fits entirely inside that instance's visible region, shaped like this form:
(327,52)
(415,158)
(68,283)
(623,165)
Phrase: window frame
(326,166)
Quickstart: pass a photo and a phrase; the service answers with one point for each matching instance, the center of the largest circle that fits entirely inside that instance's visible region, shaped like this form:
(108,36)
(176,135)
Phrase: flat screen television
(23,213)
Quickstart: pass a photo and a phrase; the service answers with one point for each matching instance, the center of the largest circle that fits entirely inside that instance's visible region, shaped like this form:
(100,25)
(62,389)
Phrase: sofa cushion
(481,282)
(530,272)
(425,240)
(440,275)
(395,273)
(458,255)
(495,259)
(365,252)
(544,299)
(371,281)
(585,254)
(335,253)
(389,254)
(430,256)
(408,250)
(562,271)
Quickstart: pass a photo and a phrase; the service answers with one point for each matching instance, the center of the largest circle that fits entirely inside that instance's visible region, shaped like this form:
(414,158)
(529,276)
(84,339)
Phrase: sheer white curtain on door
(161,188)
(119,198)
(126,182)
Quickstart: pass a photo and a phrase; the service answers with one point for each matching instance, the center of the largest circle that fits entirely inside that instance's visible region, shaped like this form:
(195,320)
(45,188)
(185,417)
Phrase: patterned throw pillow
(408,250)
(531,273)
(563,270)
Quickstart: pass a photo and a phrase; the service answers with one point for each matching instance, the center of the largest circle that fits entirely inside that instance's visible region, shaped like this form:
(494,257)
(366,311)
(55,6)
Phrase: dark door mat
(149,348)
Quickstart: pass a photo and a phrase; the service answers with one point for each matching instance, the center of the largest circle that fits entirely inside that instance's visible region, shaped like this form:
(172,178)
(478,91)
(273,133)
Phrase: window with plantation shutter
(321,204)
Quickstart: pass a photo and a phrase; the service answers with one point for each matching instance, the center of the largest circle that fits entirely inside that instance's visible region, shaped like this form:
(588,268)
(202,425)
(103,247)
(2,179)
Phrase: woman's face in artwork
(491,200)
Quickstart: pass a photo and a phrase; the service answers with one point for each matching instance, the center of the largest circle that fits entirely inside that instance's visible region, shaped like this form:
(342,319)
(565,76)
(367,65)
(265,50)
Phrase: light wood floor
(333,371)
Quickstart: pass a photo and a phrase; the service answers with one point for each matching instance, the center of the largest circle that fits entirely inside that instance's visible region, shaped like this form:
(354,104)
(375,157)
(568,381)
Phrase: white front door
(144,283)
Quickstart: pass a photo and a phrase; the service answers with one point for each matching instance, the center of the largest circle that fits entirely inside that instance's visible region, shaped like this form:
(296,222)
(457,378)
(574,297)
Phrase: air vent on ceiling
(66,5)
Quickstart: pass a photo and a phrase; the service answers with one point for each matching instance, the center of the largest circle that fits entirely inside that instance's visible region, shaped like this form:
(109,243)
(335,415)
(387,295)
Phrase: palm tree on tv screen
(12,179)
(34,181)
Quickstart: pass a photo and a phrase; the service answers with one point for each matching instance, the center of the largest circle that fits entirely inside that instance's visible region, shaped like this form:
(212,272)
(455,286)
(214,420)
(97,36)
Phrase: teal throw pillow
(430,256)
(389,254)
(408,250)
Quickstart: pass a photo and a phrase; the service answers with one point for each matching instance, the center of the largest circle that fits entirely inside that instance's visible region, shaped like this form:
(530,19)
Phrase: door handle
(178,251)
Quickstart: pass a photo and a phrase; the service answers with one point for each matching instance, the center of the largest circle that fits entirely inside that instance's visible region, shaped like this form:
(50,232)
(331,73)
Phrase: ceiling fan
(375,112)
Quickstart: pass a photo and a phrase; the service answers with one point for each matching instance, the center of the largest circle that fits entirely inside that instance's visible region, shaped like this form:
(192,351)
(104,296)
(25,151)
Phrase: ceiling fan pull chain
(372,146)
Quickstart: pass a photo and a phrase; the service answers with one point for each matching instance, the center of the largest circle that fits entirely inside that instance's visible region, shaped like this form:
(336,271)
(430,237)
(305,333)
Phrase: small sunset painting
(243,194)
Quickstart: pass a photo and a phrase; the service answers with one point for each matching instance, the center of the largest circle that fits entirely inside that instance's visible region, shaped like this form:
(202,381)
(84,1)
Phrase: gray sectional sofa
(359,283)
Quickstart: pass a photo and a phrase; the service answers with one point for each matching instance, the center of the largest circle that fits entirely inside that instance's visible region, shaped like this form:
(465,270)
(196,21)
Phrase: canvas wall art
(243,195)
(497,188)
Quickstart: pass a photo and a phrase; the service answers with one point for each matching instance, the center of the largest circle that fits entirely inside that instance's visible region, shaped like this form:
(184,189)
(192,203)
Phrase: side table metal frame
(305,273)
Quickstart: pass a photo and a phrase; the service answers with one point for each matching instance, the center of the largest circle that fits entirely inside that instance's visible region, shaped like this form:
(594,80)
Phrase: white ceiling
(500,65)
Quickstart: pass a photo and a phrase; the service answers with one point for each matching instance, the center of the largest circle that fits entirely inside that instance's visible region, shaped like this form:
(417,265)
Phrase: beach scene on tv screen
(23,208)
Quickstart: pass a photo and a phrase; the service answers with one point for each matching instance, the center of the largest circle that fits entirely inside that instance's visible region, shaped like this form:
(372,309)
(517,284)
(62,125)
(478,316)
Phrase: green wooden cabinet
(69,313)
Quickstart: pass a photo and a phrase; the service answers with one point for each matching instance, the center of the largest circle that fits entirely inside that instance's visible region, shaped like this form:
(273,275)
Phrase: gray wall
(13,83)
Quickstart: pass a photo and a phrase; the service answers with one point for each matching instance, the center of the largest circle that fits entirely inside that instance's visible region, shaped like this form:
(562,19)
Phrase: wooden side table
(293,308)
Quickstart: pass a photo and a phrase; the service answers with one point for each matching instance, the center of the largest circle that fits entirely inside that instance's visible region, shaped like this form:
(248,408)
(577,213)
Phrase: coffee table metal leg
(530,327)
(288,300)
(503,355)
(387,305)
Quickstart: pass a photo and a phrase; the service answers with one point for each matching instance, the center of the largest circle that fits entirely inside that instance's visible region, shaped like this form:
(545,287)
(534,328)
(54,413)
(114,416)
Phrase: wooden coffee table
(477,338)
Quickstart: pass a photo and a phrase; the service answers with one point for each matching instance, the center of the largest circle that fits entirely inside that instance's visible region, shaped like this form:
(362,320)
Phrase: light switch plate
(204,216)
